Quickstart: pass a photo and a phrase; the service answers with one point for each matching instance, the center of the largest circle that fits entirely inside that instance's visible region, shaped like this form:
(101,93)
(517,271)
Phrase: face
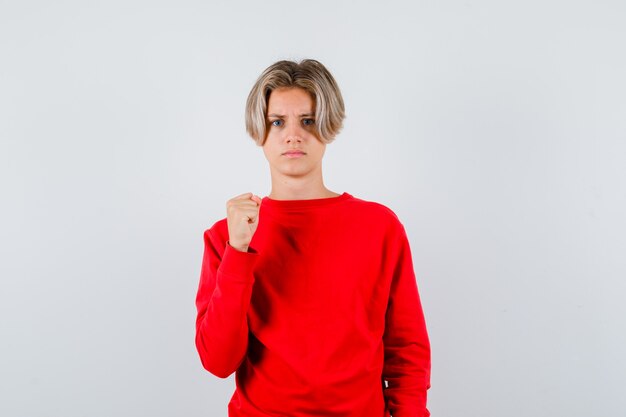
(291,127)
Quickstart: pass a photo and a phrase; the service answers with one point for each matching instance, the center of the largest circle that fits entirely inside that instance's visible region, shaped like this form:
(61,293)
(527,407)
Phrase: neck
(290,188)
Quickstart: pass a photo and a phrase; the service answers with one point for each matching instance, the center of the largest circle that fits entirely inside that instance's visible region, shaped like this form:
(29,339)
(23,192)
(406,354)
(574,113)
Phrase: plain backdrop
(495,130)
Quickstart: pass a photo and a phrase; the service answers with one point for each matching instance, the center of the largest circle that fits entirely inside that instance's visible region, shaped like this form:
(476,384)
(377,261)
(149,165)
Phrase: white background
(494,129)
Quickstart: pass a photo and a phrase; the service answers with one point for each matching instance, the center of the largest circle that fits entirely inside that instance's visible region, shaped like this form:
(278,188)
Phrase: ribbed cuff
(237,264)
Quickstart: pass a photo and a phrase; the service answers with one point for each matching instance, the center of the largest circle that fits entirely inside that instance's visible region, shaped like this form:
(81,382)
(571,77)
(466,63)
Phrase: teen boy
(309,295)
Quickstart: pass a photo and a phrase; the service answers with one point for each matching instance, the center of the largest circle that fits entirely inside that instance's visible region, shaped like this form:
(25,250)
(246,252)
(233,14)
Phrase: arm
(407,346)
(222,302)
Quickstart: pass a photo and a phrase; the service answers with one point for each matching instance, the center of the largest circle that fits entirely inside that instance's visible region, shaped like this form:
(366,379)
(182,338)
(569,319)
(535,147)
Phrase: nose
(293,139)
(293,133)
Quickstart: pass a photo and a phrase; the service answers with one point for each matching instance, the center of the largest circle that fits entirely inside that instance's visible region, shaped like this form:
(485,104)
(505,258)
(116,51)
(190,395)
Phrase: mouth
(293,154)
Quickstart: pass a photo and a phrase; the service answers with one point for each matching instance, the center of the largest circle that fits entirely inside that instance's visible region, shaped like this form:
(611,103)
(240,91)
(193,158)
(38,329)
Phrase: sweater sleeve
(222,303)
(406,342)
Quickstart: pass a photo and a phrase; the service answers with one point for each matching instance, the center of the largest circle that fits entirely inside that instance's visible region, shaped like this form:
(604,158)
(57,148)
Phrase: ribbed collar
(304,204)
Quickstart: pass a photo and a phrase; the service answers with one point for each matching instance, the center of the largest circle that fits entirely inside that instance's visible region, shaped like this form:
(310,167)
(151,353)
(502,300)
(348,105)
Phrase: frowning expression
(292,146)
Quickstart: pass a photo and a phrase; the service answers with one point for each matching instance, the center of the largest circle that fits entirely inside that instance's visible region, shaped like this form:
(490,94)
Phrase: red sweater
(317,315)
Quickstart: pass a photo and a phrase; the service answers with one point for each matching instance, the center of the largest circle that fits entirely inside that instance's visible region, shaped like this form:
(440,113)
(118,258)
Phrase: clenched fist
(242,218)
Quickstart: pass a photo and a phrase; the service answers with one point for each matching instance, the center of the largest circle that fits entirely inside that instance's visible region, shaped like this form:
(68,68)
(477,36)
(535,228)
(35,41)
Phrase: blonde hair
(311,76)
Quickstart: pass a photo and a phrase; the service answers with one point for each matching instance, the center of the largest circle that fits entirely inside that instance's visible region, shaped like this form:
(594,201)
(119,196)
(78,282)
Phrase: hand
(242,218)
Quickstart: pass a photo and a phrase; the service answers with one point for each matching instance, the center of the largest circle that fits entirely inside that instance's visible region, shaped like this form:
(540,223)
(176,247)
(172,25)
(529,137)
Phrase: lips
(293,153)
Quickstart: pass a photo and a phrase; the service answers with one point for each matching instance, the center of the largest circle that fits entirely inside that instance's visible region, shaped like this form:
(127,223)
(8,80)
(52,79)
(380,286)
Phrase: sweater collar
(302,204)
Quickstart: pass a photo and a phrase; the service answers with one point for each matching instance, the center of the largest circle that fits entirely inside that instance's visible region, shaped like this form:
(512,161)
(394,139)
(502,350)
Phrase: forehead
(290,99)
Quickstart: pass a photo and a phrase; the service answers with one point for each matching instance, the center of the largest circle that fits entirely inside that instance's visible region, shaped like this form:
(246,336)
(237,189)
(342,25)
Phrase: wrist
(240,248)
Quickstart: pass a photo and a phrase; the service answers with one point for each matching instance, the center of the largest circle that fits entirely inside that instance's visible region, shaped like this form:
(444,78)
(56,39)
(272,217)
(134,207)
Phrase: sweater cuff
(237,264)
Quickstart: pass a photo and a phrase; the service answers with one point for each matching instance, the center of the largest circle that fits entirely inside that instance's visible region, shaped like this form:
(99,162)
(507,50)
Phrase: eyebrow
(281,115)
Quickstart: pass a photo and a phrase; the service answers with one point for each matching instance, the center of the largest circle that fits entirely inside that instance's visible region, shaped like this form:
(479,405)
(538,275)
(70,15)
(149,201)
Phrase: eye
(308,122)
(273,122)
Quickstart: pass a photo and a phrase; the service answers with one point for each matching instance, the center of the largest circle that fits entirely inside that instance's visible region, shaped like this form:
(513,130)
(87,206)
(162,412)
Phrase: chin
(294,172)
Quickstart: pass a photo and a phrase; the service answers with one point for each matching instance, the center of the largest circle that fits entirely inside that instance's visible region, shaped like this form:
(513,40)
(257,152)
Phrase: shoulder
(376,212)
(217,234)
